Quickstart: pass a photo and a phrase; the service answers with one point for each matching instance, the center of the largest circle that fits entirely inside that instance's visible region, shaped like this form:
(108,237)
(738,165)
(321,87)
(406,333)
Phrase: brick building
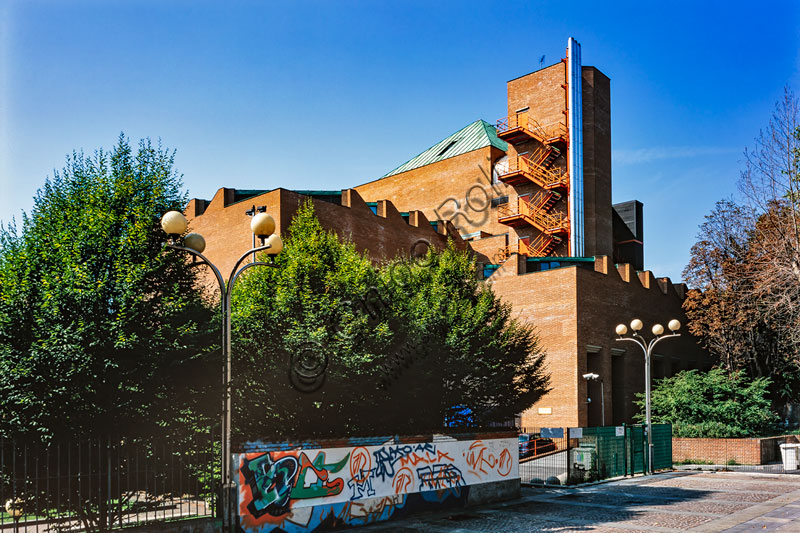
(531,197)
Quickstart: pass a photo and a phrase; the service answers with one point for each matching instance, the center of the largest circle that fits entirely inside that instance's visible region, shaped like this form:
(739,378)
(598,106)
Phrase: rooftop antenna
(541,61)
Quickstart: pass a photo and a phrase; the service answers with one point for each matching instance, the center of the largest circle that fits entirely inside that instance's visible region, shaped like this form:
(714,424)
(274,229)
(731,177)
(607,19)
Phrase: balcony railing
(521,126)
(516,170)
(532,213)
(539,246)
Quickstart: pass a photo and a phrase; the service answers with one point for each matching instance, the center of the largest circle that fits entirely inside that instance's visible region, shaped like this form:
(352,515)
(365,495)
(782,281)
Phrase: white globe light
(658,329)
(195,241)
(674,325)
(14,508)
(636,324)
(622,329)
(276,244)
(174,223)
(262,225)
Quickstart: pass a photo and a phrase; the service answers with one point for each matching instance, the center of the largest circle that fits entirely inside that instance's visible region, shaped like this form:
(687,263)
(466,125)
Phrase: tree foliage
(409,346)
(746,264)
(711,404)
(100,331)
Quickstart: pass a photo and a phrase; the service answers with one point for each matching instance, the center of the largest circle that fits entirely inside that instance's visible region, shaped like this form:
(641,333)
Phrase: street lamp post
(263,227)
(596,377)
(647,347)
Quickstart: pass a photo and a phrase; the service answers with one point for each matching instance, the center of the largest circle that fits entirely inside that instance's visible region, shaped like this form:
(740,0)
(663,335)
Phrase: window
(500,200)
(500,167)
(488,270)
(446,148)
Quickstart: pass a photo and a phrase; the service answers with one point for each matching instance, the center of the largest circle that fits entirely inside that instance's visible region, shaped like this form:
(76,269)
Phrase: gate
(580,455)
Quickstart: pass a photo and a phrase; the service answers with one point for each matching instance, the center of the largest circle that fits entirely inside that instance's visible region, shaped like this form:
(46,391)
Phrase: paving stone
(659,504)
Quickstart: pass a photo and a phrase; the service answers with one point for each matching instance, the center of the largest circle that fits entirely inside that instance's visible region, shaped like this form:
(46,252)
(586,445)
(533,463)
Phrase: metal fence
(569,456)
(106,483)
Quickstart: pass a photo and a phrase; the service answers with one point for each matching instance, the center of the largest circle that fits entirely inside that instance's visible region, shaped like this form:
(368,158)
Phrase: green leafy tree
(712,404)
(101,332)
(475,364)
(404,347)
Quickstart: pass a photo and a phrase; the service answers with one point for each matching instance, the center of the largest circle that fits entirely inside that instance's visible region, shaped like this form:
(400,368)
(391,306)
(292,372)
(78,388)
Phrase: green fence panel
(662,446)
(637,446)
(610,453)
(601,453)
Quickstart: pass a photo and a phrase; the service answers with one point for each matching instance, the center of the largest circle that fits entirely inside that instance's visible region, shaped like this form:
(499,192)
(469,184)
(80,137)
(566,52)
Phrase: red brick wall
(542,91)
(226,227)
(574,309)
(717,451)
(548,300)
(435,189)
(606,300)
(597,162)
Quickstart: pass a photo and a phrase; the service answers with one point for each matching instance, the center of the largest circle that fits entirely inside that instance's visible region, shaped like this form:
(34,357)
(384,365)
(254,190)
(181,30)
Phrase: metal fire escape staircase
(538,168)
(536,212)
(534,168)
(521,127)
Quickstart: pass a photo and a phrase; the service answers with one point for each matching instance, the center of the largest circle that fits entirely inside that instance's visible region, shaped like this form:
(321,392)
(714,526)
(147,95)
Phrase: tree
(746,264)
(712,404)
(100,331)
(770,186)
(401,347)
(478,366)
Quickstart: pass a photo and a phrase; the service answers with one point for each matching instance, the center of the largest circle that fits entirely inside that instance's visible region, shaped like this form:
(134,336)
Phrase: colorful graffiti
(482,461)
(308,490)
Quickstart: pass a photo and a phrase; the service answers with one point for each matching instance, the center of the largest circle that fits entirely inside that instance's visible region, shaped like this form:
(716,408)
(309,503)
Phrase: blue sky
(327,95)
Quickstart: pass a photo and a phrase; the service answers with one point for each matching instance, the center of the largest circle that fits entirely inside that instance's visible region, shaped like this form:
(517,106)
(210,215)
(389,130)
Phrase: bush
(711,404)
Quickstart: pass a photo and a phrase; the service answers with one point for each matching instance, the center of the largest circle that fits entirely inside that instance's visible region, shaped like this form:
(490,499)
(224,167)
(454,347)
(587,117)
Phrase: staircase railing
(545,176)
(532,209)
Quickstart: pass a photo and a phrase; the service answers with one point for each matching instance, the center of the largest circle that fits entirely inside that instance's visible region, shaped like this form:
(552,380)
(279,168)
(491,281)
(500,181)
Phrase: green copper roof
(477,135)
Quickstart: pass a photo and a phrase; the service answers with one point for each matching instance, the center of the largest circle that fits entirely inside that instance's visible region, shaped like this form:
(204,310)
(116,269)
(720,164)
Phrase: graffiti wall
(315,489)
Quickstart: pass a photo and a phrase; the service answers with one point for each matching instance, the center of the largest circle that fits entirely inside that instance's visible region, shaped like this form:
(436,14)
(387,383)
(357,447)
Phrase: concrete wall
(194,525)
(315,487)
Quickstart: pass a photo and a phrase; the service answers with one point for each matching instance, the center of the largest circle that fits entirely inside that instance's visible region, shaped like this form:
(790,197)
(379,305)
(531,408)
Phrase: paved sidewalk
(677,501)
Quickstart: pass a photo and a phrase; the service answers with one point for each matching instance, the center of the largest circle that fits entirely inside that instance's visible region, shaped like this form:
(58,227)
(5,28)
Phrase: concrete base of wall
(494,492)
(195,525)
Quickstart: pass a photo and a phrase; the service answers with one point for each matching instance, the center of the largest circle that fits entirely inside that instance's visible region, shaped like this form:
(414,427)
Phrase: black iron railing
(100,484)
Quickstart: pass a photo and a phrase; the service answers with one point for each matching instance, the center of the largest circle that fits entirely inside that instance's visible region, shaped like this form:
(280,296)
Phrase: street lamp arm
(657,339)
(641,344)
(236,275)
(252,251)
(203,260)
